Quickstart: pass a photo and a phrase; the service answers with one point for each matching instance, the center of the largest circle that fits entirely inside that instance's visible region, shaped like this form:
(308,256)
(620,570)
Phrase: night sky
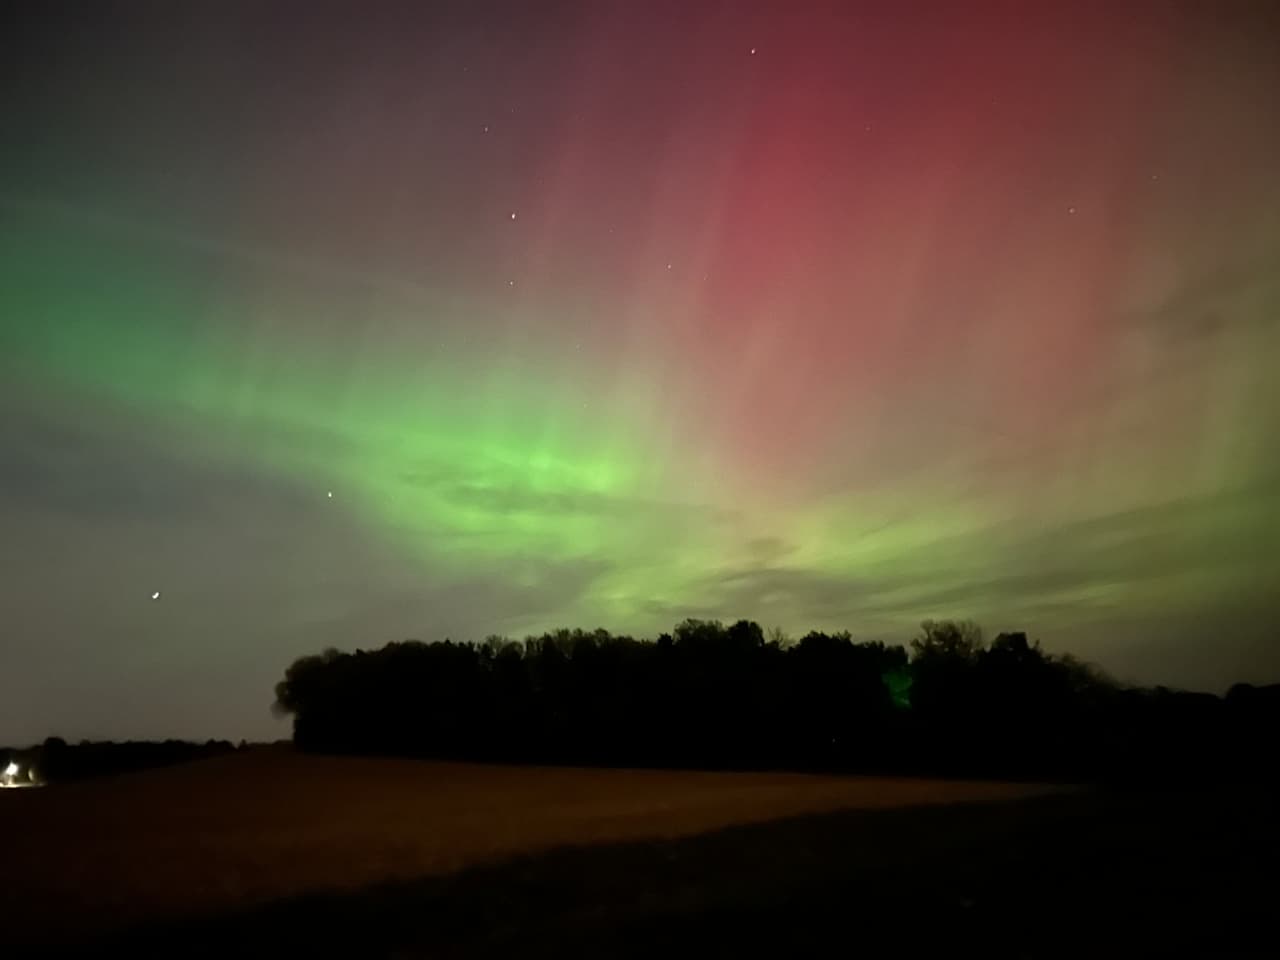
(338,324)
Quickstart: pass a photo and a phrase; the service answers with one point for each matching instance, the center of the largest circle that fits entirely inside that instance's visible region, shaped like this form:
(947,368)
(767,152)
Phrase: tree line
(713,696)
(57,761)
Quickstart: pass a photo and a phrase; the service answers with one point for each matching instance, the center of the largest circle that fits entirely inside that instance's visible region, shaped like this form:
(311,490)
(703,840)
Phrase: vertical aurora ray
(966,314)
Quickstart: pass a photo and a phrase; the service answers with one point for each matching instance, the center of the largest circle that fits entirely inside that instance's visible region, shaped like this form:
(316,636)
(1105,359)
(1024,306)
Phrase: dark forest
(714,696)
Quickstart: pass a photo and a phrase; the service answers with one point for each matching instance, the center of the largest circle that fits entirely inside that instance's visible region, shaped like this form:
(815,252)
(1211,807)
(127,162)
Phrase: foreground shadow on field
(1039,877)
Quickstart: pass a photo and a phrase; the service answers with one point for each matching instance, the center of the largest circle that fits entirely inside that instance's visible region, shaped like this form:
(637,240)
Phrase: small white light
(11,770)
(155,595)
(329,494)
(513,216)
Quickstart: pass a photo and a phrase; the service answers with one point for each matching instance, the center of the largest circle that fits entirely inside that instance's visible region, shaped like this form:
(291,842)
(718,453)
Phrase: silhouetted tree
(712,695)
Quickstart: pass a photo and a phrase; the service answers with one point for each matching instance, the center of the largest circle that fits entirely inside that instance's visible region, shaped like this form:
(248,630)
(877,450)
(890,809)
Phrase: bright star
(155,595)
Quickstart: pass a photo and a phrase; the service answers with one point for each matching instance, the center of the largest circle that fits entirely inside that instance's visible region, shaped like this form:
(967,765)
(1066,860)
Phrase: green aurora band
(870,325)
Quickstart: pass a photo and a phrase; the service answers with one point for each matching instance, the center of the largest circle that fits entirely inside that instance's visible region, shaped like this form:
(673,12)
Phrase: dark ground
(1155,873)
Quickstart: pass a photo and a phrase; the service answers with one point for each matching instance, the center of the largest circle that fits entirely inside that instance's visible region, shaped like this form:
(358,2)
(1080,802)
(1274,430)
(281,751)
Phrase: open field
(241,830)
(276,854)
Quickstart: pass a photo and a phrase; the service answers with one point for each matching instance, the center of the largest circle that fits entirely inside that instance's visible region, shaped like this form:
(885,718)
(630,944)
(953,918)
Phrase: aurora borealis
(343,323)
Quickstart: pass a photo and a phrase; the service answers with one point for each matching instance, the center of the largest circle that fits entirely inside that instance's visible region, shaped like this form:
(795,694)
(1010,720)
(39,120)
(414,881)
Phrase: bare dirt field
(234,832)
(274,854)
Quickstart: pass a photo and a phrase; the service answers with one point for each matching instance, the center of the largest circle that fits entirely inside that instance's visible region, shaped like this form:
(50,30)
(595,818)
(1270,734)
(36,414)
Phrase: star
(753,51)
(155,595)
(329,494)
(511,283)
(668,266)
(1071,209)
(486,128)
(513,215)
